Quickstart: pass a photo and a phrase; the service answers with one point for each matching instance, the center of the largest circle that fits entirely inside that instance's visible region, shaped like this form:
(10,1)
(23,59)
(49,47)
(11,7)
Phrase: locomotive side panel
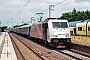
(45,27)
(37,31)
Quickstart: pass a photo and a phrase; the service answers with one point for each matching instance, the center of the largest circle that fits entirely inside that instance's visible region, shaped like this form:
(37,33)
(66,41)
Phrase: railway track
(74,54)
(48,54)
(81,48)
(20,55)
(25,56)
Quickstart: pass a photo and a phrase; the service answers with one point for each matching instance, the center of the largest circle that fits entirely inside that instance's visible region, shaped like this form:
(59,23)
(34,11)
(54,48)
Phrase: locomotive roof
(46,20)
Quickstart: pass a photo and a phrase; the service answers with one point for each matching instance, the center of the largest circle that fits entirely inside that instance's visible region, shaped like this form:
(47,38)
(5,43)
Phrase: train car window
(72,24)
(60,25)
(69,25)
(79,28)
(88,28)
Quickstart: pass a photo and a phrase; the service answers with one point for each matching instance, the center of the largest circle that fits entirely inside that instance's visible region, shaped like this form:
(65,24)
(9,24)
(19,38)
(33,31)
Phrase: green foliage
(76,15)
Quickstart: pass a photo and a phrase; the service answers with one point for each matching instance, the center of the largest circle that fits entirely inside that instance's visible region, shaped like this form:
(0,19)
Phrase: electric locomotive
(52,31)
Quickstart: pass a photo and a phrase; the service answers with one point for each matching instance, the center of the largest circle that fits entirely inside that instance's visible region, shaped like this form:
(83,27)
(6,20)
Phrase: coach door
(74,31)
(88,28)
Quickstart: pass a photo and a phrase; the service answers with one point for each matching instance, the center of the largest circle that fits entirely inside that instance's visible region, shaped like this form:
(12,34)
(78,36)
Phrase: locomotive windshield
(59,24)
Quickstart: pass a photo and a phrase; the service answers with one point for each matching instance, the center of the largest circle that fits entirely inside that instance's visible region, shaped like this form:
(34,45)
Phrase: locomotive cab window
(59,24)
(79,28)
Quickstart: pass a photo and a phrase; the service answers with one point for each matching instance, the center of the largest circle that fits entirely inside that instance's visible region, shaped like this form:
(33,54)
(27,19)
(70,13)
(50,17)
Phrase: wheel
(68,46)
(46,43)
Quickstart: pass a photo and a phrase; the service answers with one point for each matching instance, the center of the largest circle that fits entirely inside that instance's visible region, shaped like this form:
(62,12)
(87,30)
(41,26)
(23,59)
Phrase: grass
(82,40)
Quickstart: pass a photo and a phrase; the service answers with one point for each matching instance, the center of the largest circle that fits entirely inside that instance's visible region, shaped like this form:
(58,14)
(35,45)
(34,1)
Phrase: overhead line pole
(0,23)
(50,9)
(32,19)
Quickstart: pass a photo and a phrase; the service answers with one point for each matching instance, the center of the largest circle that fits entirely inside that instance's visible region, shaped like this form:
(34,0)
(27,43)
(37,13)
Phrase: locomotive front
(58,33)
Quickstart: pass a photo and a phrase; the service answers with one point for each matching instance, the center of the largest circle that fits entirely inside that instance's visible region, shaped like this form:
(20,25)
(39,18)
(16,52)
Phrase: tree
(76,15)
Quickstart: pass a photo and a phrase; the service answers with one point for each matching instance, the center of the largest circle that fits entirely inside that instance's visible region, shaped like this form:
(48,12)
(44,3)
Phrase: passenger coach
(83,28)
(80,27)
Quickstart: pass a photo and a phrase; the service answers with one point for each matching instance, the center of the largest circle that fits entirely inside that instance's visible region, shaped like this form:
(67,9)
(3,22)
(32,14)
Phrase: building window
(88,28)
(79,28)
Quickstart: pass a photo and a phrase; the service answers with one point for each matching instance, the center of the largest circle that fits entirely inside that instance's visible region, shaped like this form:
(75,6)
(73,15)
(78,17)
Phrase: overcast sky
(14,12)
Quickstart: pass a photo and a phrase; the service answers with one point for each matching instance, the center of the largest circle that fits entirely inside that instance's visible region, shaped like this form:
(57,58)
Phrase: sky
(15,12)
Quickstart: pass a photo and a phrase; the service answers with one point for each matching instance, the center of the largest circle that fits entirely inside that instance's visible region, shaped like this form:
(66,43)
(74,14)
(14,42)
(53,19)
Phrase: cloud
(11,8)
(82,1)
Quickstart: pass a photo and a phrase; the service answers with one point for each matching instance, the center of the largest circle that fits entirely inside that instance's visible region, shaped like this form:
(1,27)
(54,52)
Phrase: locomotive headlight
(55,41)
(67,34)
(55,36)
(68,40)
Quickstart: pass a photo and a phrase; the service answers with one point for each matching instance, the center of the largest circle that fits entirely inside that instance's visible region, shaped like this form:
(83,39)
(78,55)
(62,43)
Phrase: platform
(7,50)
(2,37)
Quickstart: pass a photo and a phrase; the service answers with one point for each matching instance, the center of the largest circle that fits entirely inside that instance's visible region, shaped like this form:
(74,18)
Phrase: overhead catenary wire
(55,5)
(19,6)
(78,1)
(62,2)
(83,0)
(47,8)
(22,8)
(42,11)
